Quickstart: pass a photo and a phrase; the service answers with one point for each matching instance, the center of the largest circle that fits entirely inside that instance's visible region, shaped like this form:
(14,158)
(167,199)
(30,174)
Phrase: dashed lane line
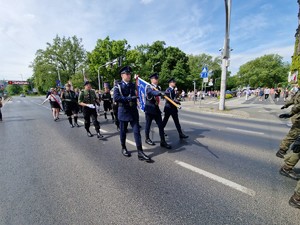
(219,179)
(244,131)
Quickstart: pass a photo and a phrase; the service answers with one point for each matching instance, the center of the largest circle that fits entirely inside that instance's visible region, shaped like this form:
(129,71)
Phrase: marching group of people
(289,148)
(123,107)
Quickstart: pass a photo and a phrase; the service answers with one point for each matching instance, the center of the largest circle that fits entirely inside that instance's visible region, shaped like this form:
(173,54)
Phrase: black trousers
(0,114)
(175,119)
(136,132)
(87,114)
(158,120)
(115,110)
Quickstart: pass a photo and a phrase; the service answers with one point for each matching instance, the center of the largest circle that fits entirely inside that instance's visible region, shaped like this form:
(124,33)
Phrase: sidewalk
(237,107)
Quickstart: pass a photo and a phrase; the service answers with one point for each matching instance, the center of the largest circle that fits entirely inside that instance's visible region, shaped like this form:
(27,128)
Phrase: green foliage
(268,70)
(14,89)
(296,57)
(197,62)
(227,96)
(64,57)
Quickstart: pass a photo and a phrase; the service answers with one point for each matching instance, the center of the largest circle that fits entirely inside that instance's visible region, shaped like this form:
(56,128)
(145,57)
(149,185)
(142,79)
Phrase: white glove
(91,106)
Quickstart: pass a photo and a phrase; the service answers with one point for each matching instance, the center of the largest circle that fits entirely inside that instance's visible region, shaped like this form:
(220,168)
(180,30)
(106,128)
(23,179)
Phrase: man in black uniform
(107,103)
(153,112)
(87,99)
(171,110)
(70,101)
(125,96)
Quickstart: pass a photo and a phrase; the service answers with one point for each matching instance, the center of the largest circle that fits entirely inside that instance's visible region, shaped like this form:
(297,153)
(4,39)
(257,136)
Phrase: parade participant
(171,110)
(294,132)
(71,105)
(153,112)
(290,160)
(1,105)
(107,103)
(55,103)
(125,96)
(88,99)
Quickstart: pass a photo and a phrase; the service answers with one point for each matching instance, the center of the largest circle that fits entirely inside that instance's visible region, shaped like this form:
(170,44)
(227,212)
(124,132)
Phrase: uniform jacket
(106,97)
(151,106)
(125,96)
(83,97)
(295,101)
(169,107)
(69,97)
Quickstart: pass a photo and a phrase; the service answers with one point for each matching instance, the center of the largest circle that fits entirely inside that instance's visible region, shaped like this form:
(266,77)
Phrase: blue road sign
(204,72)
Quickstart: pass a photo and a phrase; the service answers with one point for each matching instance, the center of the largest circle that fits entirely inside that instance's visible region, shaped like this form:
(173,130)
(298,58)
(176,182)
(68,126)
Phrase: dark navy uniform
(125,96)
(152,112)
(171,110)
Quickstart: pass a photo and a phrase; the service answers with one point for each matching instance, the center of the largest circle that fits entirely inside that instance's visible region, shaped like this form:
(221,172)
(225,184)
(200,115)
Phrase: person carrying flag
(153,112)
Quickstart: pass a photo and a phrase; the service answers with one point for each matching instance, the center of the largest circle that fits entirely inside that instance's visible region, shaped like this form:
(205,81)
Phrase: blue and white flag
(141,85)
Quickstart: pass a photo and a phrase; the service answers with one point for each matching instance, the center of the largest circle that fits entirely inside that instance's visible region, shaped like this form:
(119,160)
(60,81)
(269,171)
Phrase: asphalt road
(225,173)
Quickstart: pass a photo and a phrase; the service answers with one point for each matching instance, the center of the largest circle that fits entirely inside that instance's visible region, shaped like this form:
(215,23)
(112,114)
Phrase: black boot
(89,134)
(125,152)
(70,121)
(295,201)
(164,144)
(75,121)
(280,153)
(112,116)
(105,116)
(100,136)
(289,173)
(142,156)
(149,141)
(182,135)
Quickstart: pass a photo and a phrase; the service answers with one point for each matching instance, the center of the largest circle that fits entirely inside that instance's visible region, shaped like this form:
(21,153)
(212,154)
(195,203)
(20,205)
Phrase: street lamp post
(99,84)
(225,55)
(58,73)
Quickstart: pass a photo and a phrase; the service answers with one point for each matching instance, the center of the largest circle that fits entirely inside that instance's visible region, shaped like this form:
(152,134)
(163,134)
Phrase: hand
(285,115)
(283,107)
(91,106)
(128,98)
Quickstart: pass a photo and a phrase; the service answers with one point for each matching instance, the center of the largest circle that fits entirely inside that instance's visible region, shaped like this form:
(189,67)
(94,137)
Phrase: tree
(107,50)
(63,58)
(14,89)
(197,62)
(267,70)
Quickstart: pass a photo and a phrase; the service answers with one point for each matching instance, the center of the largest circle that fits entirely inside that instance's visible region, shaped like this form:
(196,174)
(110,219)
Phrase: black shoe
(118,128)
(289,173)
(149,142)
(99,135)
(72,126)
(125,152)
(165,145)
(295,201)
(140,126)
(89,134)
(182,136)
(280,153)
(76,125)
(143,157)
(165,135)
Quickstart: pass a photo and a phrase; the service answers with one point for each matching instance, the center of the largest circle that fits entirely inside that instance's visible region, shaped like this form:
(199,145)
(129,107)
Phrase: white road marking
(217,178)
(245,131)
(190,122)
(133,143)
(103,131)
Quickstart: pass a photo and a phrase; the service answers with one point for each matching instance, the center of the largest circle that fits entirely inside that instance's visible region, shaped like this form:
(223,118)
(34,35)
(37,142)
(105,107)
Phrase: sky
(257,27)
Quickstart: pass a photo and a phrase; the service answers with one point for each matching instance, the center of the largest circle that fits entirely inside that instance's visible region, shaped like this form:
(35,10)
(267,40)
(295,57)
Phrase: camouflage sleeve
(80,98)
(295,109)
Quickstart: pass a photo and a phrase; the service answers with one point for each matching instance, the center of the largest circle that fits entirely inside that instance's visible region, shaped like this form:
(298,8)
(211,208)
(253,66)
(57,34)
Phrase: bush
(227,96)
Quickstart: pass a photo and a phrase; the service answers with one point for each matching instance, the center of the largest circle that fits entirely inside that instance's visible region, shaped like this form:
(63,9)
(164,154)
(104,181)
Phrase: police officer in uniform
(153,112)
(294,132)
(107,103)
(125,96)
(71,105)
(87,99)
(171,110)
